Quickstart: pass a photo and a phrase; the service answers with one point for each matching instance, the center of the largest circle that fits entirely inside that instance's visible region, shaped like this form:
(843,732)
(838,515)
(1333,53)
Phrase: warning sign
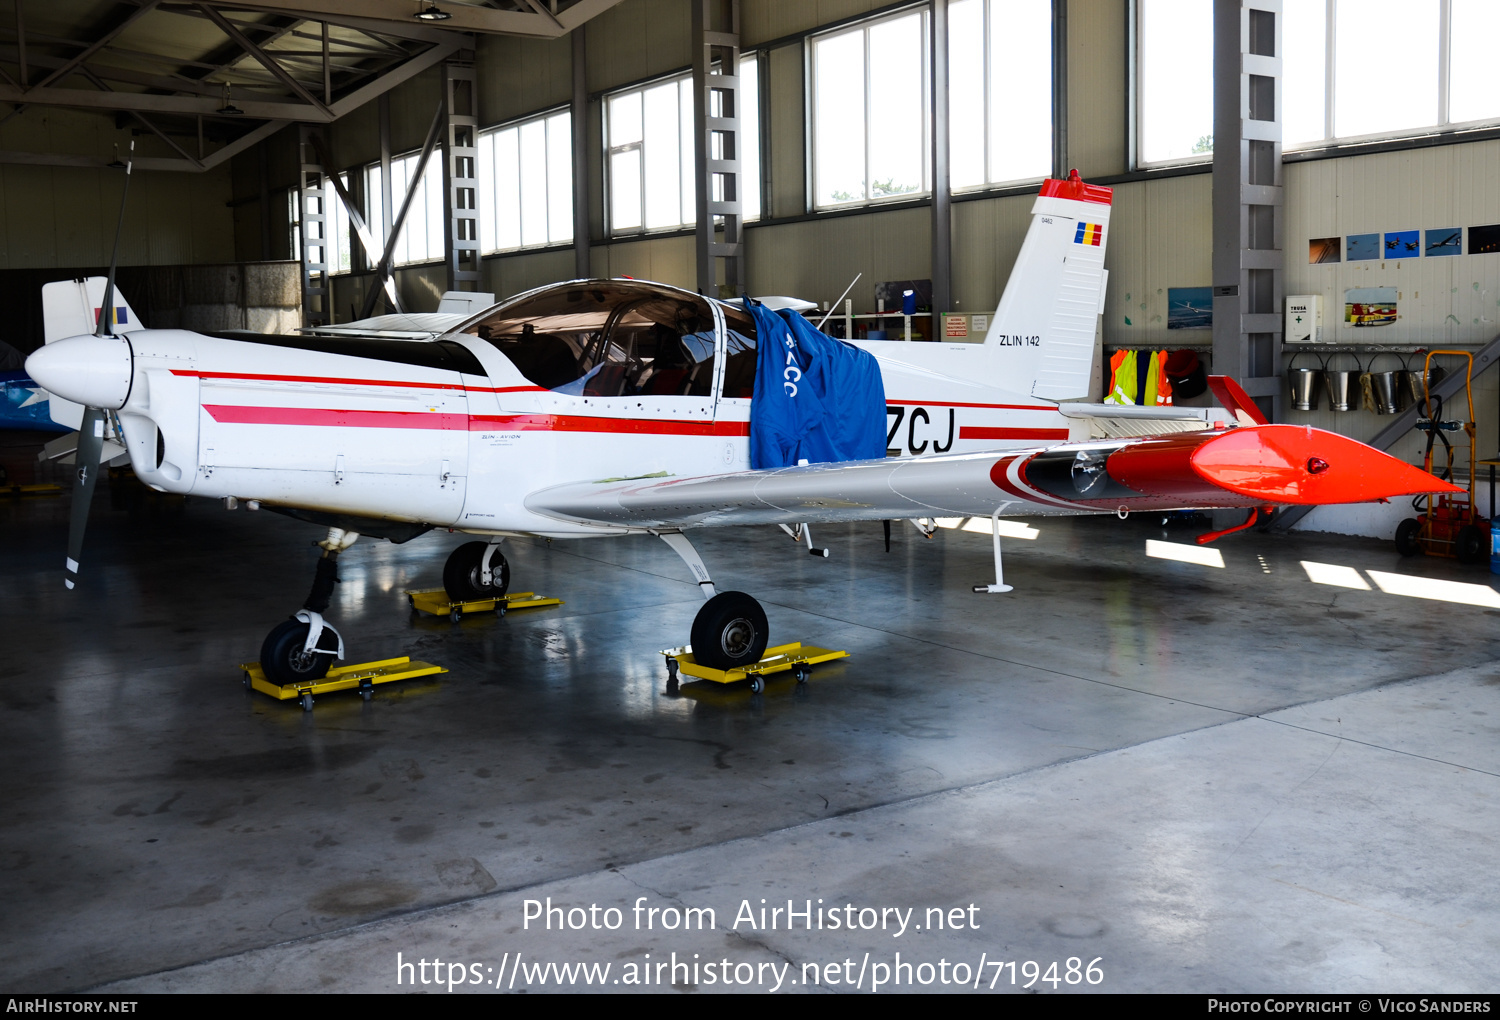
(955,327)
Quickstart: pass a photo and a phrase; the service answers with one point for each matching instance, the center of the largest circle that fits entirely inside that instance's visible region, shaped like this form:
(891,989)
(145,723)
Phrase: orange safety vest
(1124,369)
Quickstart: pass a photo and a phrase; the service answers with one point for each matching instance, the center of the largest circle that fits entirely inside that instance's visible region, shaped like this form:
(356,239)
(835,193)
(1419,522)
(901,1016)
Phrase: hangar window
(649,131)
(526,183)
(619,339)
(999,91)
(1437,76)
(870,112)
(1174,80)
(422,232)
(339,251)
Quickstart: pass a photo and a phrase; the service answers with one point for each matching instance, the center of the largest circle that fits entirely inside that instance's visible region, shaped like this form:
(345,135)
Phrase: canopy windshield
(607,339)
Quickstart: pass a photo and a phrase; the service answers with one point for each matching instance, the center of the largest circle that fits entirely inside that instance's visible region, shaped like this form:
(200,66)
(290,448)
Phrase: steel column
(312,213)
(942,209)
(460,173)
(716,145)
(1060,166)
(1248,263)
(579,111)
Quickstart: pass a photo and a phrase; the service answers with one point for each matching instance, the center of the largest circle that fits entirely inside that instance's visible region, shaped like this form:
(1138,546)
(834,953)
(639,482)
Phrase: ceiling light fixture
(432,12)
(229,109)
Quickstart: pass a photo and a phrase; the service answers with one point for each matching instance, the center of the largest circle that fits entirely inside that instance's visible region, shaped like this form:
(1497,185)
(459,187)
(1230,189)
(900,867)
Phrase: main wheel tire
(461,574)
(1470,545)
(282,658)
(730,630)
(1406,537)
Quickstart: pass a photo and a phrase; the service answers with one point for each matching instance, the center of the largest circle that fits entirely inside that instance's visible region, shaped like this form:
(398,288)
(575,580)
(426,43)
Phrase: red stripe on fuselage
(235,414)
(587,423)
(984,432)
(950,403)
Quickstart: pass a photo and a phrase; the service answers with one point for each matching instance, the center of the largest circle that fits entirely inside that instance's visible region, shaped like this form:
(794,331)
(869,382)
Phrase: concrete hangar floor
(1186,777)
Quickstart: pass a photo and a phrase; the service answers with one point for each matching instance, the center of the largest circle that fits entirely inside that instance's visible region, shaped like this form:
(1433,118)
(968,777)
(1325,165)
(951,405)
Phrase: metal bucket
(1385,385)
(1343,386)
(1410,385)
(1304,383)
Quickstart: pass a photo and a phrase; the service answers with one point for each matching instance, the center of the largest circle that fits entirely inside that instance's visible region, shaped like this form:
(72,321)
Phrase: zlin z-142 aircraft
(612,407)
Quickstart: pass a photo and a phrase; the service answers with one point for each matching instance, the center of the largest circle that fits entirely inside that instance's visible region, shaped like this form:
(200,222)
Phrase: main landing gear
(476,571)
(301,649)
(730,630)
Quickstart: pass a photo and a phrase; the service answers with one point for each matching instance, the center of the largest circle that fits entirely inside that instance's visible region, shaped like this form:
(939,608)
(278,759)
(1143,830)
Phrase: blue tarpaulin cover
(816,398)
(23,405)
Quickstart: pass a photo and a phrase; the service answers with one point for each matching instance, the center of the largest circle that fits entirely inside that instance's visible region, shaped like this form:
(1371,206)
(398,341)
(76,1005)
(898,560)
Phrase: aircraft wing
(1237,467)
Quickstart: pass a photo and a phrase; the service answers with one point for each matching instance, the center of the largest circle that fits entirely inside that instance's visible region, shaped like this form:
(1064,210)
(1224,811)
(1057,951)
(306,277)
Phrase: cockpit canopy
(617,338)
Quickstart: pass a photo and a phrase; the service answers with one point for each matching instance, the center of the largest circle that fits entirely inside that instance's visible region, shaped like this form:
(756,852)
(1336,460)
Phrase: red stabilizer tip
(1276,463)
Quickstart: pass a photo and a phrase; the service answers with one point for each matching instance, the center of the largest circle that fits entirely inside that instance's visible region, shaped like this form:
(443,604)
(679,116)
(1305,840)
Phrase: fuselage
(451,434)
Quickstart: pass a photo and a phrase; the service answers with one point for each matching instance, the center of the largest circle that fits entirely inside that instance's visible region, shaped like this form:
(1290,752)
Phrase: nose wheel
(301,649)
(288,657)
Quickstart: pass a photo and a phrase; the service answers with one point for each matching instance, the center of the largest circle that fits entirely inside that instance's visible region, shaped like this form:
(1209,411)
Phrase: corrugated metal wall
(65,216)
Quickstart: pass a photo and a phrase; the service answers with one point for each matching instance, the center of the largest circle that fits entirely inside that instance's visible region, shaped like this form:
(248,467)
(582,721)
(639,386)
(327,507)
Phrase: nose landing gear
(302,648)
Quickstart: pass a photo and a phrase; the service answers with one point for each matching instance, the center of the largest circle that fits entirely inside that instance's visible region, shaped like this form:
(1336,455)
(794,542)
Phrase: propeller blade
(90,449)
(91,430)
(106,324)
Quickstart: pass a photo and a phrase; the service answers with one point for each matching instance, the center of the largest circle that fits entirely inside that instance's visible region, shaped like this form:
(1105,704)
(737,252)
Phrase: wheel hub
(737,638)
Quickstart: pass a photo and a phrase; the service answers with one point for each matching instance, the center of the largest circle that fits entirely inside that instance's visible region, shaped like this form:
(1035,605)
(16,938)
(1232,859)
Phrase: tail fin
(71,308)
(1043,332)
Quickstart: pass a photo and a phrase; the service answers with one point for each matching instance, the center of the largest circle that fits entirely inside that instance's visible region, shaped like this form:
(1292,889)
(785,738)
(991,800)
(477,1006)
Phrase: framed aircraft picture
(1323,250)
(1362,247)
(1444,241)
(1484,240)
(1403,244)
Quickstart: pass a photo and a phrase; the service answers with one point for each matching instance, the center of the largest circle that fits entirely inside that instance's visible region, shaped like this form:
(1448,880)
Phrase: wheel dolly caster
(802,673)
(366,689)
(671,676)
(307,701)
(757,684)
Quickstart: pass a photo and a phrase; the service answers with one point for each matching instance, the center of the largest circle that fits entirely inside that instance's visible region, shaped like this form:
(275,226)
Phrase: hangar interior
(1265,766)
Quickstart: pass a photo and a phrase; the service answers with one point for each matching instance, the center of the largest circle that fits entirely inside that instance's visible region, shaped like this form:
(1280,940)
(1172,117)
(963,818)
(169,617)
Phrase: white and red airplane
(607,407)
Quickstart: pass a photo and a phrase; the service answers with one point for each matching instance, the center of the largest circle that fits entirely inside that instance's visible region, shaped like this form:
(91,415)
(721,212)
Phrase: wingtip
(1299,465)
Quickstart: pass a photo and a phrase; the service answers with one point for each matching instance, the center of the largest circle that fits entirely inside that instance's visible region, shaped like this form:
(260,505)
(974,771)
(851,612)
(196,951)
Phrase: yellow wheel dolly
(436,602)
(797,657)
(363,675)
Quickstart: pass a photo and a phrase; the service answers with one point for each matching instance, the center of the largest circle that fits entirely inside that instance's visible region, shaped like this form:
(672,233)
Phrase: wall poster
(1190,307)
(1370,306)
(1444,241)
(1322,250)
(1402,244)
(1362,248)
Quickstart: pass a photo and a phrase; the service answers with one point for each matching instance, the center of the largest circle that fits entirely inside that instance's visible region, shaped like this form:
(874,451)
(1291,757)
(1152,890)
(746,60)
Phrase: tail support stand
(999,586)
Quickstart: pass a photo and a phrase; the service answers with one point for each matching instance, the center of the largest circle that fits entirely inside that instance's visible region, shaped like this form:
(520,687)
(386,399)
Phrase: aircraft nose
(95,371)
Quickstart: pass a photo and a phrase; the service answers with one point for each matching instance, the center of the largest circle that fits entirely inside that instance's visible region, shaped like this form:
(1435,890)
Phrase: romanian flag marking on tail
(1089,233)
